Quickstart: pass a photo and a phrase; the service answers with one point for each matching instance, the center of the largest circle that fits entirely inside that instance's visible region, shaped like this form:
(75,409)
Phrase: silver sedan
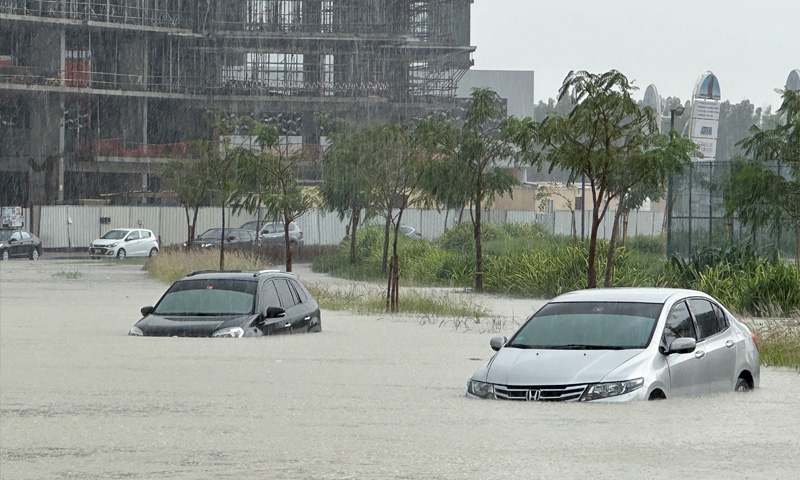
(621,344)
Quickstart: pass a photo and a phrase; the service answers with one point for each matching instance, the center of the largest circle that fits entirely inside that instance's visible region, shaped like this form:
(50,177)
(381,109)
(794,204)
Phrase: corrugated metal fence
(75,226)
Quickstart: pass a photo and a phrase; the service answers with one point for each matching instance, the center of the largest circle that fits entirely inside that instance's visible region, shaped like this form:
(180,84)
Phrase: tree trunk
(393,290)
(385,256)
(591,274)
(574,229)
(222,243)
(287,243)
(353,238)
(624,229)
(478,245)
(611,246)
(797,246)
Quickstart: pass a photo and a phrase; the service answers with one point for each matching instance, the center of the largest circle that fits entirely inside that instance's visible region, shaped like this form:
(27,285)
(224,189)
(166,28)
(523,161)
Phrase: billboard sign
(12,217)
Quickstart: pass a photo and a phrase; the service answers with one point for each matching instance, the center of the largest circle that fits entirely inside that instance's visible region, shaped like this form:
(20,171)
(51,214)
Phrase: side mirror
(682,345)
(275,312)
(13,240)
(497,343)
(147,311)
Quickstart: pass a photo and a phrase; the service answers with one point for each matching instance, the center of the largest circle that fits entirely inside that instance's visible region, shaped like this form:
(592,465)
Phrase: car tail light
(753,336)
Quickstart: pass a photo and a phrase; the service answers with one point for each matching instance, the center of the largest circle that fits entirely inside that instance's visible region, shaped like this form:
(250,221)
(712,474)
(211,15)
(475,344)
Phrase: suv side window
(299,291)
(707,321)
(269,296)
(285,294)
(679,324)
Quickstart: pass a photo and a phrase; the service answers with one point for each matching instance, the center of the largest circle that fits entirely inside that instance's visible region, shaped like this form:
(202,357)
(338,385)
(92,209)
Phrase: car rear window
(201,297)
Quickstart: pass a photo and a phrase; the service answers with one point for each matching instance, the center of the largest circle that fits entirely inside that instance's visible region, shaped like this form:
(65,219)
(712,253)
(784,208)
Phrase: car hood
(514,366)
(101,242)
(189,326)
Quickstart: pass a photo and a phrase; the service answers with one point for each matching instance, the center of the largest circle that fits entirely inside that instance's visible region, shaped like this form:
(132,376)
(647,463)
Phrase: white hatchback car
(125,242)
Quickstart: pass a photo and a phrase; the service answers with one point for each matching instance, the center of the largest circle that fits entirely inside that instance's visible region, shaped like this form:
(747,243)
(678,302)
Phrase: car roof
(236,275)
(627,294)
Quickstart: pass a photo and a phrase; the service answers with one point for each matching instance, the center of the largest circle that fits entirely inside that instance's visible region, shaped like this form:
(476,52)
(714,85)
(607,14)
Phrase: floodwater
(371,397)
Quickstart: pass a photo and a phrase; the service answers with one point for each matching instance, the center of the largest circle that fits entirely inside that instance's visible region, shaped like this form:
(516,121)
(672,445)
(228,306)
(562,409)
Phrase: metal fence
(75,226)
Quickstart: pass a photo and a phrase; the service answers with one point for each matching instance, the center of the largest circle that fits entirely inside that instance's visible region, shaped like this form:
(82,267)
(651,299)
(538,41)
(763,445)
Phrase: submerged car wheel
(5,255)
(153,252)
(35,254)
(121,254)
(742,385)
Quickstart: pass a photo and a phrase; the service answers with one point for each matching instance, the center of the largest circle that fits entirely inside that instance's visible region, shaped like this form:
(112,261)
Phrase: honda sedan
(621,344)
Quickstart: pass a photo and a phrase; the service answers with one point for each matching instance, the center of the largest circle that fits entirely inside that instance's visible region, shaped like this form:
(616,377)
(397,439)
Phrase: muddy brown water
(371,397)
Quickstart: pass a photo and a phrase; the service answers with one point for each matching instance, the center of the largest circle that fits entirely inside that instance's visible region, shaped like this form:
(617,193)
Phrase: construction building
(94,94)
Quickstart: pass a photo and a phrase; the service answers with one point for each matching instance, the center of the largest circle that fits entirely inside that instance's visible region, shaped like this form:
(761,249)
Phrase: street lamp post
(677,111)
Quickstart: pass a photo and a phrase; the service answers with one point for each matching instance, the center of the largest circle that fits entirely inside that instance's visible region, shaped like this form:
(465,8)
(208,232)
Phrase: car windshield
(208,298)
(589,326)
(5,234)
(212,234)
(249,225)
(115,234)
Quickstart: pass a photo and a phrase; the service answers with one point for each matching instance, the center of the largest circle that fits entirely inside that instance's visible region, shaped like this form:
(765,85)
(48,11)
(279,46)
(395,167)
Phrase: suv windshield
(589,326)
(208,297)
(115,234)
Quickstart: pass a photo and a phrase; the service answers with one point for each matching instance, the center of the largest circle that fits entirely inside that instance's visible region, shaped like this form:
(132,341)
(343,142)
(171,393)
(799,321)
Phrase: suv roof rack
(199,272)
(262,272)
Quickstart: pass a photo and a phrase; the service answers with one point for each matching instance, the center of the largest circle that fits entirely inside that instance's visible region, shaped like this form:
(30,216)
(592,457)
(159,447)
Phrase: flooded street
(371,397)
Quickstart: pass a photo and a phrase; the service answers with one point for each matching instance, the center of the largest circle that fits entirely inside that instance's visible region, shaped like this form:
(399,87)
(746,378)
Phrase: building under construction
(95,94)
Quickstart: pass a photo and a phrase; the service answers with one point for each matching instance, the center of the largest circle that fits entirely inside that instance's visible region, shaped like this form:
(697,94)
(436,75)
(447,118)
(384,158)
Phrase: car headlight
(136,331)
(230,332)
(612,389)
(480,389)
(112,245)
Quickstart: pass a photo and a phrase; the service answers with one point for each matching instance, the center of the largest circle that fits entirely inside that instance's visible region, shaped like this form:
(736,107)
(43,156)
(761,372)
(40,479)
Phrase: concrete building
(94,94)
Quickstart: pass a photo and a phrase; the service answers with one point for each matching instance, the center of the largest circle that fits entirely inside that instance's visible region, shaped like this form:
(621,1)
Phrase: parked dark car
(16,242)
(213,237)
(231,304)
(272,233)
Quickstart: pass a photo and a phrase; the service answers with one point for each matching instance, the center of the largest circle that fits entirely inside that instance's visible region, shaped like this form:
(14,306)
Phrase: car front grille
(540,393)
(98,250)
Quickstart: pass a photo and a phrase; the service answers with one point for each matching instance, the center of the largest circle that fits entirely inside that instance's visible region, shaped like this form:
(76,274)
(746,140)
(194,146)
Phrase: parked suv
(125,242)
(272,233)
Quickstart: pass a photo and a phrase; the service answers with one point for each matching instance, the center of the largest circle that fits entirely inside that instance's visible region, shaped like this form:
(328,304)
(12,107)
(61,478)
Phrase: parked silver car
(125,242)
(272,233)
(621,344)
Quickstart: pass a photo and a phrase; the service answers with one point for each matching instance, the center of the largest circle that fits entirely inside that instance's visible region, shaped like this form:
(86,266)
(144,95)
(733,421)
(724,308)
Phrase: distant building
(95,94)
(515,86)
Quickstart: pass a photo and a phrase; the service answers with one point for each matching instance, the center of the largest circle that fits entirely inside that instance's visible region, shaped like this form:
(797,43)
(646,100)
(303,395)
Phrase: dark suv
(213,303)
(272,233)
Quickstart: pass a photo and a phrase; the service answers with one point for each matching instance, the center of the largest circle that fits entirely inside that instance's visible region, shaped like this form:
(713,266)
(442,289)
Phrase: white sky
(750,45)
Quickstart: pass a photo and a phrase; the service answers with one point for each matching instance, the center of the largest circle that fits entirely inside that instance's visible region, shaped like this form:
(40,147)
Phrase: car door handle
(288,324)
(307,318)
(729,344)
(699,354)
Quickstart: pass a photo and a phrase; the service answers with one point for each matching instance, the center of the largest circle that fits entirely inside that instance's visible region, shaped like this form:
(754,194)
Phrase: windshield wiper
(521,345)
(576,346)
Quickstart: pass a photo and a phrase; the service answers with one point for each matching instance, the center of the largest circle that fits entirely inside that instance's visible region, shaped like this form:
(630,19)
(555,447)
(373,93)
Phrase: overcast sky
(750,45)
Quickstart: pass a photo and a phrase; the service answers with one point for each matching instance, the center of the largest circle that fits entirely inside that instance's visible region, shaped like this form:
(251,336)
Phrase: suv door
(297,316)
(719,344)
(272,234)
(687,371)
(269,298)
